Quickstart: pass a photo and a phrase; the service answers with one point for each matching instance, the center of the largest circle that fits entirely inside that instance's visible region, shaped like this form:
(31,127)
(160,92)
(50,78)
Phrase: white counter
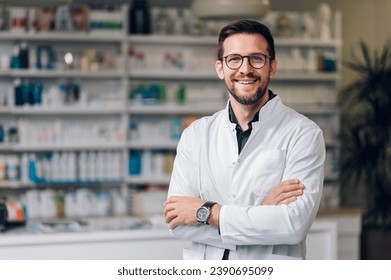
(143,244)
(124,244)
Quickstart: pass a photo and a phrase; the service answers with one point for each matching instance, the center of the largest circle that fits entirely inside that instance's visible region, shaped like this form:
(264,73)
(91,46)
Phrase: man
(247,181)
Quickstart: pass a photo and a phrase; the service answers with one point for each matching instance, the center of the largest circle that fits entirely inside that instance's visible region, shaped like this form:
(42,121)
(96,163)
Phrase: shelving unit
(205,94)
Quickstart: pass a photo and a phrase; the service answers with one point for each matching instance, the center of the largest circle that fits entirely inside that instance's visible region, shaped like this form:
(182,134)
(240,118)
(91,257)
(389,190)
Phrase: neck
(245,113)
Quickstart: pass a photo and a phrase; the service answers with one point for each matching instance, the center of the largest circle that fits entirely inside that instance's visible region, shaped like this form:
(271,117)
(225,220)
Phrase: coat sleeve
(185,182)
(282,224)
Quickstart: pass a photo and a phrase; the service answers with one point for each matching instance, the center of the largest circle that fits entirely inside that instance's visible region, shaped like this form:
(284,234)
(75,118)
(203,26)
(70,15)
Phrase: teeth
(245,82)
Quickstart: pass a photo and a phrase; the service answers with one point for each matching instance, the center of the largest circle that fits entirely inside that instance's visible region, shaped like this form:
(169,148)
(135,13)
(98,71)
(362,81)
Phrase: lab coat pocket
(267,171)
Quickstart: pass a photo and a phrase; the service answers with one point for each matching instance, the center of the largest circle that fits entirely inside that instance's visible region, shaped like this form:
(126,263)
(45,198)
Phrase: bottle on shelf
(139,18)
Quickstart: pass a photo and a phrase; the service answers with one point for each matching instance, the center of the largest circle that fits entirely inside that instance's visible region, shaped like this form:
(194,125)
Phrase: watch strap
(209,204)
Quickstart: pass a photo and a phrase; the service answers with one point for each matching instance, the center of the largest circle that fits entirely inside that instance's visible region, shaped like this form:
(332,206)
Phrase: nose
(246,67)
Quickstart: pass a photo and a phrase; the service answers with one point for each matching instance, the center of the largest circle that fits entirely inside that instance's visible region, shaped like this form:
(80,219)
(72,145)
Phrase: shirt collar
(232,116)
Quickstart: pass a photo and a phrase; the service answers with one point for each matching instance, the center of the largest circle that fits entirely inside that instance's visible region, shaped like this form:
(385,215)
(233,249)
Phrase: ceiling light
(230,9)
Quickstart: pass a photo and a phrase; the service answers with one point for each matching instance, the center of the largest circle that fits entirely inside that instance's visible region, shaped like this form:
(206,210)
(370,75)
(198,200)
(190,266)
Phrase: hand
(181,210)
(284,193)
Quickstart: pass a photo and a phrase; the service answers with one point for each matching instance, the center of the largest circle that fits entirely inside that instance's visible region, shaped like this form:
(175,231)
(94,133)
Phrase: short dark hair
(246,27)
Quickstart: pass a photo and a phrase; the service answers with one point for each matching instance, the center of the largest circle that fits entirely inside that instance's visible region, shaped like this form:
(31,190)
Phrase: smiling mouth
(246,82)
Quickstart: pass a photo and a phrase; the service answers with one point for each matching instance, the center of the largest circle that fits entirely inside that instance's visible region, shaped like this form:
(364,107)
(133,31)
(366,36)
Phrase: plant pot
(376,243)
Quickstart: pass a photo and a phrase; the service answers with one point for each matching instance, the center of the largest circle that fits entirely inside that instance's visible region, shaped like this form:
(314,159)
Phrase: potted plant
(366,146)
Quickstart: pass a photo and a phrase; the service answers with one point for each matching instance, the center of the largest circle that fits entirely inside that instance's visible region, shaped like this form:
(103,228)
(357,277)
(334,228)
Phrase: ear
(273,68)
(219,69)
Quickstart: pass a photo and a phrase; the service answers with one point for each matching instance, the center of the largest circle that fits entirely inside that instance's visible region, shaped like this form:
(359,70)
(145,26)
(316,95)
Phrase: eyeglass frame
(248,58)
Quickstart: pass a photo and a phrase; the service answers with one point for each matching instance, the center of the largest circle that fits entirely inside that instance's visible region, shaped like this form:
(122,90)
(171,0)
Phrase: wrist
(214,215)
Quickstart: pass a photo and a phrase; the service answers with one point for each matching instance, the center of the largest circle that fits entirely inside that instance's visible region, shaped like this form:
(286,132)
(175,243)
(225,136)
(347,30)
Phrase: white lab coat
(283,145)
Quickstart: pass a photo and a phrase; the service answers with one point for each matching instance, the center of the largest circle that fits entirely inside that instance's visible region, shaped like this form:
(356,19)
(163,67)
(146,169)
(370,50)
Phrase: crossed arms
(181,210)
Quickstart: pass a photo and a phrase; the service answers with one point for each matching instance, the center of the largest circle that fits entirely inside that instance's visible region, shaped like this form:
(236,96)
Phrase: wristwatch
(203,212)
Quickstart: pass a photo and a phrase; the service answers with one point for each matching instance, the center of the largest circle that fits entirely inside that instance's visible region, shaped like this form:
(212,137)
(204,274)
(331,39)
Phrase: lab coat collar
(269,111)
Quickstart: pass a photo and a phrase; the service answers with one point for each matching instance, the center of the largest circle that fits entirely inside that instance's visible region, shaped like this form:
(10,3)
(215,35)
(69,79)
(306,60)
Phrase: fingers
(288,200)
(284,193)
(181,210)
(288,186)
(168,207)
(171,199)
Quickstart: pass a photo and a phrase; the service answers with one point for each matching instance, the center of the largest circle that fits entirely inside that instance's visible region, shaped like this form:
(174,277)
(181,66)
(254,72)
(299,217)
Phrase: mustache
(249,75)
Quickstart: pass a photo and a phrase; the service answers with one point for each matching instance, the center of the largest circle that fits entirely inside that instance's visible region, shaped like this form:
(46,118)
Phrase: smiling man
(247,181)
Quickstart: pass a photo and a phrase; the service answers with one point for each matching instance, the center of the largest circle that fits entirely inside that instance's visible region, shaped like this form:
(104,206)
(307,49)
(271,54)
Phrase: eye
(257,58)
(234,58)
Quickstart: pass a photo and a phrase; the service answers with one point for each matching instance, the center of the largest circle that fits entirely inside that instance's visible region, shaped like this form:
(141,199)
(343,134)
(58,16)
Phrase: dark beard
(261,91)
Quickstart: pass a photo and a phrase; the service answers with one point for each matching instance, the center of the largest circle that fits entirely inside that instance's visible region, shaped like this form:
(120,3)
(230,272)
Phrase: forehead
(245,44)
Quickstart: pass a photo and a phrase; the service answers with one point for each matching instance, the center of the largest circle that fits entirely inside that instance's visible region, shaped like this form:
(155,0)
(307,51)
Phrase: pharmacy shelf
(102,37)
(186,109)
(126,75)
(308,76)
(71,110)
(172,40)
(165,144)
(156,74)
(15,185)
(5,110)
(307,43)
(212,41)
(6,147)
(140,180)
(196,75)
(67,147)
(71,184)
(56,184)
(47,74)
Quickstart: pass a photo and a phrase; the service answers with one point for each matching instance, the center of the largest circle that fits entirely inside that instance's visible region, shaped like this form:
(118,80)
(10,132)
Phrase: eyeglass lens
(234,61)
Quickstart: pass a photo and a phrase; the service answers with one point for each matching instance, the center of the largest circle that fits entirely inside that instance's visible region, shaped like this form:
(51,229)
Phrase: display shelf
(15,185)
(305,76)
(6,147)
(54,74)
(172,40)
(162,74)
(307,43)
(69,110)
(159,74)
(199,72)
(212,41)
(73,184)
(67,147)
(139,180)
(103,37)
(54,184)
(186,109)
(161,144)
(5,110)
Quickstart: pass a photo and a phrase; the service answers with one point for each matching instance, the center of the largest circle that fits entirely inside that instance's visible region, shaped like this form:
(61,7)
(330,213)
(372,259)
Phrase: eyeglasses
(257,60)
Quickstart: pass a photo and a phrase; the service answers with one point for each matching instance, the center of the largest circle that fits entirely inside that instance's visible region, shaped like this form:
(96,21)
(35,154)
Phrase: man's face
(247,85)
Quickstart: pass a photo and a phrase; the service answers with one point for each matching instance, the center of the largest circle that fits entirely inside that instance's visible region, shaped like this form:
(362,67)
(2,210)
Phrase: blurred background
(94,96)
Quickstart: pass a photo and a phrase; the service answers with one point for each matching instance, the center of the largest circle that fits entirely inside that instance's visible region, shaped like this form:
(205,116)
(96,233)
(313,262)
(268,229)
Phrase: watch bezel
(205,218)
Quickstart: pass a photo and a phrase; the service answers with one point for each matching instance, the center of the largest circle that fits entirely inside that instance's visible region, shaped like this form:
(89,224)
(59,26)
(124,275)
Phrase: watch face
(202,214)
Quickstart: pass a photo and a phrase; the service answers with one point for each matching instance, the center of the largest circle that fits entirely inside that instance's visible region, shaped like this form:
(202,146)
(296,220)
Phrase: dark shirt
(242,136)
